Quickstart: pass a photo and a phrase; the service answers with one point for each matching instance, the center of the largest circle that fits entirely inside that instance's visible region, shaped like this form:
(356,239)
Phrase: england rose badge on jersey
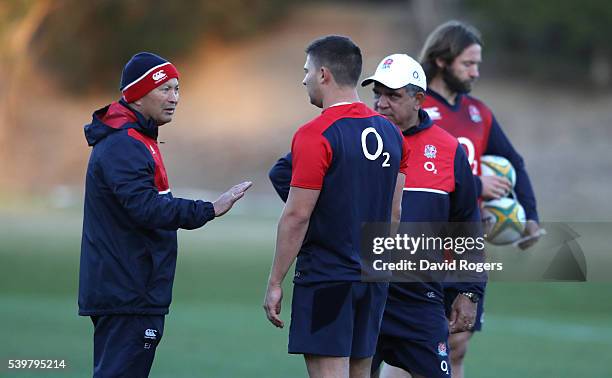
(474,114)
(430,151)
(442,349)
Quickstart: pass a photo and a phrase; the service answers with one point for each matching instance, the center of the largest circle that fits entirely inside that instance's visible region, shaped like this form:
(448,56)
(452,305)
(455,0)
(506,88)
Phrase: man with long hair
(451,58)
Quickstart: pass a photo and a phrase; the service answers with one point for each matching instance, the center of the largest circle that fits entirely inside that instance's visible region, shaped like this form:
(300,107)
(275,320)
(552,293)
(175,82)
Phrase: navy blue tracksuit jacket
(129,247)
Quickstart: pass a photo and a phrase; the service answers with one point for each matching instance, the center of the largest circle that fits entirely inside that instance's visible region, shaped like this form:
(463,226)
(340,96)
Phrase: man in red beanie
(129,247)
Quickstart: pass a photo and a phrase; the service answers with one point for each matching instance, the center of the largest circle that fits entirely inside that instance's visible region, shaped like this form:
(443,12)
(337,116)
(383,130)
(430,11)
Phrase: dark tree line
(85,43)
(566,41)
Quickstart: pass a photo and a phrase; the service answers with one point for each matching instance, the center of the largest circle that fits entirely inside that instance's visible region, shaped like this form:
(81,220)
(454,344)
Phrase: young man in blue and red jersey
(451,58)
(439,188)
(348,168)
(129,248)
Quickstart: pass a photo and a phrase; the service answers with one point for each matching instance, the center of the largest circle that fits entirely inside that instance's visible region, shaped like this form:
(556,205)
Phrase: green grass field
(216,327)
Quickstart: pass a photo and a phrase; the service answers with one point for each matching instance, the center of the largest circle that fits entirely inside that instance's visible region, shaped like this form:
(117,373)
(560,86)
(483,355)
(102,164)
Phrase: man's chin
(390,118)
(163,120)
(317,103)
(454,84)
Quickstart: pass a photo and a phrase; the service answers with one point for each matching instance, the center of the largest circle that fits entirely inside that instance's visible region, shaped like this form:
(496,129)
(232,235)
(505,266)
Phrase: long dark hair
(447,42)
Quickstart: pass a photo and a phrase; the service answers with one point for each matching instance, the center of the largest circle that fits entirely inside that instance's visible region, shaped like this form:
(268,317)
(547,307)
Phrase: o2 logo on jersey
(430,153)
(471,152)
(444,367)
(429,166)
(379,147)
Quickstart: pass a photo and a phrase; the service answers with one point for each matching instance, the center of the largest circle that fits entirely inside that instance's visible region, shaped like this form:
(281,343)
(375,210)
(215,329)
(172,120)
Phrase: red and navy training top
(353,156)
(476,128)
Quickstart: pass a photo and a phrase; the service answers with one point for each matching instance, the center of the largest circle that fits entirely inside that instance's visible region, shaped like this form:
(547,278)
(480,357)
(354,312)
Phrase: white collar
(340,103)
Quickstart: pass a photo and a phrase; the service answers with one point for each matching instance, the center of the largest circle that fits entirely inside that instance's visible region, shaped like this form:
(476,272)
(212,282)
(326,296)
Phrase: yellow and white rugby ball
(504,221)
(492,165)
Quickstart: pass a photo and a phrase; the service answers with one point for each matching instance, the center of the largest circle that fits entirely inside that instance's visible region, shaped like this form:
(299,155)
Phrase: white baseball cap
(398,70)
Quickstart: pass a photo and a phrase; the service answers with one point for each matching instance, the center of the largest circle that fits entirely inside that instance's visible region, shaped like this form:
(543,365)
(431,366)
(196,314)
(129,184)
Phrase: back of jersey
(353,156)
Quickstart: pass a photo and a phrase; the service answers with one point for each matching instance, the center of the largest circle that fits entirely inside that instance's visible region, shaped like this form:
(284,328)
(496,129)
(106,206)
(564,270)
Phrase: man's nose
(474,73)
(173,97)
(382,102)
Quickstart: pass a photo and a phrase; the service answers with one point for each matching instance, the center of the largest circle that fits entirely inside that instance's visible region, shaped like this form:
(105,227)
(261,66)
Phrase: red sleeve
(405,153)
(312,156)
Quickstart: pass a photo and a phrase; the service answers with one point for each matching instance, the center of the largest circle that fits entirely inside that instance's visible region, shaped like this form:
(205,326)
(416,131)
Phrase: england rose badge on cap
(398,70)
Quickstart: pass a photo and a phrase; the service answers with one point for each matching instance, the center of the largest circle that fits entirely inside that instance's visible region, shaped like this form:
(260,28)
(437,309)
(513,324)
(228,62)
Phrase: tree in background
(19,21)
(561,40)
(85,43)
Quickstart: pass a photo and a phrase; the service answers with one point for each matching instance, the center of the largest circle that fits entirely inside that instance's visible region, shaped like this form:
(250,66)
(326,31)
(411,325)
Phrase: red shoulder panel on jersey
(312,156)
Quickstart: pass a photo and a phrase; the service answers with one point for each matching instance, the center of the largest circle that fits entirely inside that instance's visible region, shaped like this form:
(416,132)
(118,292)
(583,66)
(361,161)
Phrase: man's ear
(325,75)
(420,98)
(440,63)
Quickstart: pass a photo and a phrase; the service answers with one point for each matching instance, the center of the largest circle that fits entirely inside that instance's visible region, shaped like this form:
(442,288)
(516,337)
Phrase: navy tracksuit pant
(124,345)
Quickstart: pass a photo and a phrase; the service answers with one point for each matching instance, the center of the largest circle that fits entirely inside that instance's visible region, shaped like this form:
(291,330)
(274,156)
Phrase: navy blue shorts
(414,337)
(449,298)
(426,358)
(124,345)
(339,319)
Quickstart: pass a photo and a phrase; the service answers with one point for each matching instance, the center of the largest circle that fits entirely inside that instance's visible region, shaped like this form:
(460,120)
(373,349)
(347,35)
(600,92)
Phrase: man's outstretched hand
(227,199)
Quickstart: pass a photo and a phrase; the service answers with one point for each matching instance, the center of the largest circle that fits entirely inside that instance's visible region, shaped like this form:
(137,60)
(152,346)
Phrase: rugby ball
(504,221)
(492,165)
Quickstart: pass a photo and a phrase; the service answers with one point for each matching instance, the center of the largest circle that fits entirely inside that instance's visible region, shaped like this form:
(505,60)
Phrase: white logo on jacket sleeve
(159,75)
(434,113)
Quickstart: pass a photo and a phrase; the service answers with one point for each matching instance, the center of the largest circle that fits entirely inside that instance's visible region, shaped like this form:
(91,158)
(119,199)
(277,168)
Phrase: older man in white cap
(439,188)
